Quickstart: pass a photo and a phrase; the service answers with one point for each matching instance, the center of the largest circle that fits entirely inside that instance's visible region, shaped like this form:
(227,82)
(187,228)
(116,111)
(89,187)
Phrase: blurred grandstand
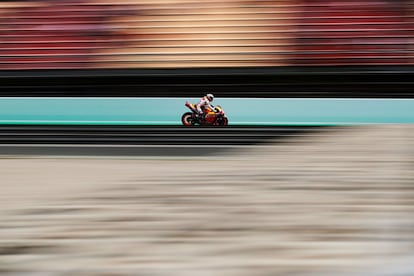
(92,34)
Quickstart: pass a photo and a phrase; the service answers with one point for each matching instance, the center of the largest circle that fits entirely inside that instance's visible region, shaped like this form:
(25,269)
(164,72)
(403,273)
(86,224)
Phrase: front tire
(187,119)
(223,121)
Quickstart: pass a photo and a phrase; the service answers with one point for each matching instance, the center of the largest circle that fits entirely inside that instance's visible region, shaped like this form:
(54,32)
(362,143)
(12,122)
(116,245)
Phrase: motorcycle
(213,117)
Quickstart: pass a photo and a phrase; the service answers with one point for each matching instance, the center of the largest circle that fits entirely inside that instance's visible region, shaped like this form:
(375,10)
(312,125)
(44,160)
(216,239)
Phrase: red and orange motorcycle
(213,117)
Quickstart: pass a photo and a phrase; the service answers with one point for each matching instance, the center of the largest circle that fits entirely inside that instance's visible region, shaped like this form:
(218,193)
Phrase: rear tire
(187,119)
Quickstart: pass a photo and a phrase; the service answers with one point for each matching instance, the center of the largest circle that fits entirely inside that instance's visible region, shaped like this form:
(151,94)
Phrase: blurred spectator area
(211,33)
(343,32)
(58,34)
(145,34)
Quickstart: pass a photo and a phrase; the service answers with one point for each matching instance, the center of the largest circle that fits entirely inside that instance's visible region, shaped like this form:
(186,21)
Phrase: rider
(203,104)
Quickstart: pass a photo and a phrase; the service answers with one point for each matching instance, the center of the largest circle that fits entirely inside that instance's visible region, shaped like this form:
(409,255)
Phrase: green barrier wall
(168,111)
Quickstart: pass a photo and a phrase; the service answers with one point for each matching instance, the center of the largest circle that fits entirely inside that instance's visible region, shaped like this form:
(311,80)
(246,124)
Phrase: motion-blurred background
(338,48)
(110,195)
(181,34)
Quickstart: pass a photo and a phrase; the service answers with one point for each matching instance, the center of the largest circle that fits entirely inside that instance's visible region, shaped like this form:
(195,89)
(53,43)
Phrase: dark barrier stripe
(130,141)
(280,82)
(134,135)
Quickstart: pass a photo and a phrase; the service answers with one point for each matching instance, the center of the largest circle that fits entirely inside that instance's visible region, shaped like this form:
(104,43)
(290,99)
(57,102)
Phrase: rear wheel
(187,119)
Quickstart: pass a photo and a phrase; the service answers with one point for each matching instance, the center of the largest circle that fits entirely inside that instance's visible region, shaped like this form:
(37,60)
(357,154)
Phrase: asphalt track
(53,140)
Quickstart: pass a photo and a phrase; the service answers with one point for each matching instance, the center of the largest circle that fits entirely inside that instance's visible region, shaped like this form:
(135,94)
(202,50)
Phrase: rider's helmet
(210,97)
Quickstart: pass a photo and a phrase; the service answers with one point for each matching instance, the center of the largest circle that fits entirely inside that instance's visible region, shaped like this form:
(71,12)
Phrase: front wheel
(187,119)
(223,121)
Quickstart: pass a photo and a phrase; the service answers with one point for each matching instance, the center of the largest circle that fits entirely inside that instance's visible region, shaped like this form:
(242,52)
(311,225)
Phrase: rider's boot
(200,117)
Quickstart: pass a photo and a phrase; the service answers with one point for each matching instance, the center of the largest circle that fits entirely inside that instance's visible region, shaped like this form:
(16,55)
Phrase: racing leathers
(202,106)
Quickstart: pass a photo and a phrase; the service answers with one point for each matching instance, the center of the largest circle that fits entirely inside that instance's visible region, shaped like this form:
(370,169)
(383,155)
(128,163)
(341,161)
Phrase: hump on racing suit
(204,103)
